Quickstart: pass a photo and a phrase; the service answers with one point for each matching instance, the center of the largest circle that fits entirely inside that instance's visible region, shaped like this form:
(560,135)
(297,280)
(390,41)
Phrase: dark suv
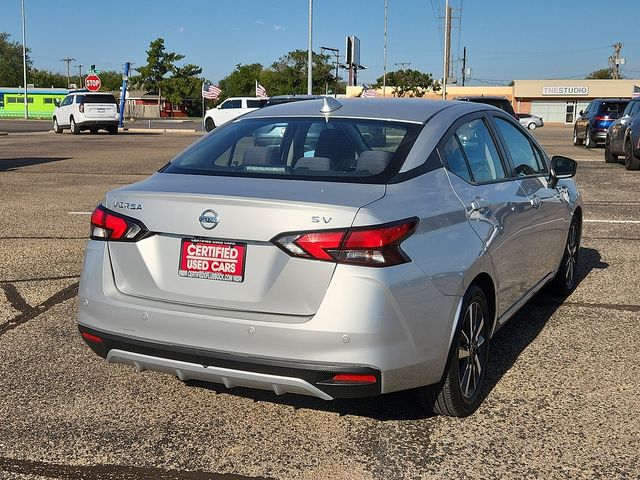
(502,103)
(593,122)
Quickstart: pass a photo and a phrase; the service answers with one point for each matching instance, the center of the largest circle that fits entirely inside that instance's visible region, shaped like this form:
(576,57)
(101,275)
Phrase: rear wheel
(74,127)
(112,130)
(532,126)
(631,162)
(608,156)
(588,141)
(459,393)
(208,124)
(565,279)
(56,127)
(93,130)
(576,140)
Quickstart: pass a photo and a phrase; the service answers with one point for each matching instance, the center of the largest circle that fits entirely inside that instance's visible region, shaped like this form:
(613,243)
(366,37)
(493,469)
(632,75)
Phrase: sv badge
(321,219)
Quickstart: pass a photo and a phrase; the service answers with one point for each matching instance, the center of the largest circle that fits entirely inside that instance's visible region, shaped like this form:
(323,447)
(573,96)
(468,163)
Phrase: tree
(152,76)
(11,62)
(409,82)
(184,83)
(47,79)
(242,81)
(602,74)
(111,81)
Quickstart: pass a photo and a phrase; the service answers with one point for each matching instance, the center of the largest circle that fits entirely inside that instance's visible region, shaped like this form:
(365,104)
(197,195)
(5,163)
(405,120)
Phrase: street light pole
(336,52)
(310,52)
(24,63)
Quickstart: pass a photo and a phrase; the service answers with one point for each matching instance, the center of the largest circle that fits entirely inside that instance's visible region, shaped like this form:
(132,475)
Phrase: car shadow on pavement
(10,164)
(507,345)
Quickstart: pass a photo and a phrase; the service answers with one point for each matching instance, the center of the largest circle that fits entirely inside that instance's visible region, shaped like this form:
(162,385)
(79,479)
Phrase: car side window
(232,104)
(480,151)
(79,98)
(527,160)
(455,159)
(67,101)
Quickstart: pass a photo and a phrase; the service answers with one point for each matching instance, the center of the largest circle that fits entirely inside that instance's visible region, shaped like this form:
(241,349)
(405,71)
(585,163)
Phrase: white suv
(86,111)
(231,108)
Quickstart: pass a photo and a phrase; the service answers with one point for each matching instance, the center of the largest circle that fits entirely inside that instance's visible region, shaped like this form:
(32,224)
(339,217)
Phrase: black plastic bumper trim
(318,374)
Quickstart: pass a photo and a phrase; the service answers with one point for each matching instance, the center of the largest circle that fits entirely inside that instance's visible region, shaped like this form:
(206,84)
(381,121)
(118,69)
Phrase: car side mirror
(56,103)
(561,167)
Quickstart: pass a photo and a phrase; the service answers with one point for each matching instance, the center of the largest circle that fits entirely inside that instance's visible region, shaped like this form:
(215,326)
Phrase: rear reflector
(354,378)
(374,246)
(91,338)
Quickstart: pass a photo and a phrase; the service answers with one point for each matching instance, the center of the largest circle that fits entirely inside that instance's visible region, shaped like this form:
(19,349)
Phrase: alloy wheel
(571,256)
(472,350)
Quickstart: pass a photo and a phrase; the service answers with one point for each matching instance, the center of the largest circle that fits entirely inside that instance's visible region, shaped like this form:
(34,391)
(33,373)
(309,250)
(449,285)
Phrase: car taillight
(81,108)
(109,225)
(375,246)
(601,118)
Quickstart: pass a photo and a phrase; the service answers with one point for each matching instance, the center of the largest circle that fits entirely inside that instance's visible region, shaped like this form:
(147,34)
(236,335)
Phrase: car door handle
(535,201)
(479,205)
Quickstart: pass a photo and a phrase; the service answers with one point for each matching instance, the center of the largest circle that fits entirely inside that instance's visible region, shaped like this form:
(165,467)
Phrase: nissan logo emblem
(209,219)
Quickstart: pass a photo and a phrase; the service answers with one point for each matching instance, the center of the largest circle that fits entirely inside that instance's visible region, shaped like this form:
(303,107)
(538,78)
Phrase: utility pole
(80,76)
(615,61)
(447,49)
(384,60)
(68,60)
(310,52)
(464,65)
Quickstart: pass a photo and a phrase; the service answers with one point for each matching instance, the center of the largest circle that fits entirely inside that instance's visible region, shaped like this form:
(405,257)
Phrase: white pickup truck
(231,108)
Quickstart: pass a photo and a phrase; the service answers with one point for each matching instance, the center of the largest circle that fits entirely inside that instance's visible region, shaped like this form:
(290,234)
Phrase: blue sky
(505,39)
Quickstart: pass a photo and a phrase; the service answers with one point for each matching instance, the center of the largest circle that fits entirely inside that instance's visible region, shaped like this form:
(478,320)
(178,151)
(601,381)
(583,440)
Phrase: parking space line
(611,221)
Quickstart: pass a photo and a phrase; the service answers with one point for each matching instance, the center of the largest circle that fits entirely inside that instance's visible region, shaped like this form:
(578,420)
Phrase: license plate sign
(212,260)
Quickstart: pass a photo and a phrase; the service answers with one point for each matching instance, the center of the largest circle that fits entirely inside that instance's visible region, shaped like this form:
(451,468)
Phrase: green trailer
(40,101)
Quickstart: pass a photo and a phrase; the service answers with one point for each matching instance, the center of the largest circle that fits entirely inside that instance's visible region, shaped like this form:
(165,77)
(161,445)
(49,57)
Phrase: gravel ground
(560,394)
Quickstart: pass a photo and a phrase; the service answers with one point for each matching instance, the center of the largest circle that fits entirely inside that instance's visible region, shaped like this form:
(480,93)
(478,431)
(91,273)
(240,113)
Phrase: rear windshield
(341,150)
(100,98)
(612,109)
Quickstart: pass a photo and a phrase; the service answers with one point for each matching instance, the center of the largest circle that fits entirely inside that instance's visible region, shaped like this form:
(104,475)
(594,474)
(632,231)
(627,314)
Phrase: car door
(64,112)
(229,109)
(548,214)
(583,121)
(494,204)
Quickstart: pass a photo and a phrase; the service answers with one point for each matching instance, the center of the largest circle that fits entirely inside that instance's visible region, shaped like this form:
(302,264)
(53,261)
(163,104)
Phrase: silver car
(377,246)
(530,121)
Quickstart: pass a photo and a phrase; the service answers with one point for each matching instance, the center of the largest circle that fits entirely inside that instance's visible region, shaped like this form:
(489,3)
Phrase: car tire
(631,162)
(56,128)
(93,131)
(459,393)
(209,124)
(608,156)
(576,140)
(588,141)
(75,129)
(565,280)
(112,130)
(532,126)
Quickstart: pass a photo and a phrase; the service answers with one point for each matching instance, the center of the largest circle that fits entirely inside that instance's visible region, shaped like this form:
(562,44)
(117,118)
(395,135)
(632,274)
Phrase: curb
(159,130)
(3,133)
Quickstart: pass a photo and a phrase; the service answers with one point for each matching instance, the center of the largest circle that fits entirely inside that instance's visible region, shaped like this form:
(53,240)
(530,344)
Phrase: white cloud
(181,29)
(278,28)
(259,22)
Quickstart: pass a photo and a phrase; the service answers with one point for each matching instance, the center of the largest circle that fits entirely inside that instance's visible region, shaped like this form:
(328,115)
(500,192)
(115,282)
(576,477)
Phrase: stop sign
(92,83)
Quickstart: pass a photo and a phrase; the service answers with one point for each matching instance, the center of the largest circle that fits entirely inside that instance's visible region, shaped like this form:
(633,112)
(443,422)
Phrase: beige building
(556,101)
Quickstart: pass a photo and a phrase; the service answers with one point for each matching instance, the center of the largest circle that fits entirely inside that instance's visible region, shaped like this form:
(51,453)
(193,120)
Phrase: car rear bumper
(98,123)
(233,370)
(362,325)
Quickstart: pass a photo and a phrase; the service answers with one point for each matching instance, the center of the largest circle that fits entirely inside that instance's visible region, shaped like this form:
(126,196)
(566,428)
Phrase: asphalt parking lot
(561,391)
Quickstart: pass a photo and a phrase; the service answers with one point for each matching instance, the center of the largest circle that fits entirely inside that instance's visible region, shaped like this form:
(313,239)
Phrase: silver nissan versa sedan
(334,248)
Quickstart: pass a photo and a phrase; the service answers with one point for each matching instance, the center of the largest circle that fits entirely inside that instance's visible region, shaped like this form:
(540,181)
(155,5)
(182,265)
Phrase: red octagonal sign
(92,83)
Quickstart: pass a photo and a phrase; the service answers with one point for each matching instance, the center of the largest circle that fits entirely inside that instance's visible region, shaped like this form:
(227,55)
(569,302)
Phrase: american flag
(212,92)
(368,91)
(636,91)
(260,91)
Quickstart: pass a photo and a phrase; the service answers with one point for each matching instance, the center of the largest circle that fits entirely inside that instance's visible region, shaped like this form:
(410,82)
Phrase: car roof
(400,109)
(481,97)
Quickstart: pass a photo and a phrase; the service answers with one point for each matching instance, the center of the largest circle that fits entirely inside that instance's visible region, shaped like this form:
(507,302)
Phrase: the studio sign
(565,91)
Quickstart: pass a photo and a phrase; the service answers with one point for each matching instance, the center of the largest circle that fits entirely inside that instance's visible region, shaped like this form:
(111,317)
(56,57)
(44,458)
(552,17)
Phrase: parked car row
(623,136)
(591,126)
